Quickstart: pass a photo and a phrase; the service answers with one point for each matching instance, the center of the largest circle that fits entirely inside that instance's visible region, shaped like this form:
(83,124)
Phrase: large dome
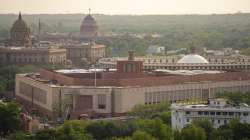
(20,32)
(89,28)
(192,59)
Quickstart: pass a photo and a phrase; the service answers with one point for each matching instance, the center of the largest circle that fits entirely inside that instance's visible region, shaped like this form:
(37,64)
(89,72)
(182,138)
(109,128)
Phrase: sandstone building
(38,55)
(111,92)
(79,54)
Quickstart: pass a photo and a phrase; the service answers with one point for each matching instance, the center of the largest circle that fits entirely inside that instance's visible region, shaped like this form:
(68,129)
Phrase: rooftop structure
(218,111)
(193,59)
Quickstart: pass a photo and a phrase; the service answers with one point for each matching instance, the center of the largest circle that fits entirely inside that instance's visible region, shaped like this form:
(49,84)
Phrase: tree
(149,111)
(9,118)
(165,117)
(154,127)
(108,129)
(140,135)
(18,136)
(47,134)
(192,132)
(73,130)
(206,125)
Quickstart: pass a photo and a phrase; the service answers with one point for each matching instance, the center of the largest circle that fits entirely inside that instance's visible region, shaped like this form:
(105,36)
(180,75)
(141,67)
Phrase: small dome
(192,59)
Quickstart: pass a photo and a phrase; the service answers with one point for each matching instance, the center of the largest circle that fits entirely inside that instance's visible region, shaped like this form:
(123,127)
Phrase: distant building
(114,92)
(19,33)
(190,61)
(155,49)
(218,111)
(89,28)
(37,55)
(90,52)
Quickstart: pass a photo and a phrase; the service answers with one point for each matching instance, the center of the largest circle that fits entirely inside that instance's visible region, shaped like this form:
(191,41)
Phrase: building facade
(218,111)
(80,53)
(38,55)
(188,62)
(106,92)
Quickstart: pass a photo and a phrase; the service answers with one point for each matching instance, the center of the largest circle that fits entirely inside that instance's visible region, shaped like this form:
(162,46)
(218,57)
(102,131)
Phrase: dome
(20,32)
(192,58)
(89,28)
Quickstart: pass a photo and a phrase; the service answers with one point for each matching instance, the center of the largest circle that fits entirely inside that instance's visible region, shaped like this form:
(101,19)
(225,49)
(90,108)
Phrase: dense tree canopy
(9,118)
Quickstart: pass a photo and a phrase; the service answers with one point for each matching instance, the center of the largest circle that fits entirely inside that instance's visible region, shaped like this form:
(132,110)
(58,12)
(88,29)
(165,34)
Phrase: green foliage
(150,111)
(73,130)
(235,97)
(207,127)
(47,134)
(18,136)
(165,117)
(192,132)
(140,135)
(211,31)
(108,129)
(154,127)
(9,118)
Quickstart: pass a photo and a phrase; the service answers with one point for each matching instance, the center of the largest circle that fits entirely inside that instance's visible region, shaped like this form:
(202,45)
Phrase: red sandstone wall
(124,79)
(138,66)
(60,78)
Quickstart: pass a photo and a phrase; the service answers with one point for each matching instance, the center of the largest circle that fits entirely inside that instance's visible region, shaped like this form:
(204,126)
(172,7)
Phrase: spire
(39,30)
(20,16)
(89,11)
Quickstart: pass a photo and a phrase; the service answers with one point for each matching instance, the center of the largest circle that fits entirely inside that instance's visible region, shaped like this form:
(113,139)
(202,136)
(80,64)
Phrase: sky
(133,7)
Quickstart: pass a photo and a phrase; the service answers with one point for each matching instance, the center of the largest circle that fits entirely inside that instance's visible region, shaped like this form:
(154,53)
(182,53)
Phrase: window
(187,112)
(101,101)
(218,121)
(200,112)
(218,113)
(212,113)
(224,113)
(187,120)
(205,113)
(245,114)
(231,113)
(225,121)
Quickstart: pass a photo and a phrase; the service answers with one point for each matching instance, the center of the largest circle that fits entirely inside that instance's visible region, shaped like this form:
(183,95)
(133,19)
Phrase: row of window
(157,97)
(213,113)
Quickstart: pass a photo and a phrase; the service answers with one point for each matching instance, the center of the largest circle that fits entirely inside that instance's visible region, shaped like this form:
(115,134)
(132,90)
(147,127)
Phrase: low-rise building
(106,92)
(218,111)
(32,55)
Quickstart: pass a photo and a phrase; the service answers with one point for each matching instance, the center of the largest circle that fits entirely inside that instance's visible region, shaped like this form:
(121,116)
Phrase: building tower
(20,33)
(89,28)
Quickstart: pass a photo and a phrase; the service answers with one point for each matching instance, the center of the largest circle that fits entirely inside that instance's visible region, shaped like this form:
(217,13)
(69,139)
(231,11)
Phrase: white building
(218,111)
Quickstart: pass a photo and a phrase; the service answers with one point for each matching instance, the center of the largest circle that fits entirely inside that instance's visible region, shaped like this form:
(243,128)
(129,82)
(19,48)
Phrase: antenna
(89,11)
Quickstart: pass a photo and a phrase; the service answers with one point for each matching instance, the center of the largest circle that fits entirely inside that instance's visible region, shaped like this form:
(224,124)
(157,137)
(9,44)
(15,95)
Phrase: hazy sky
(125,6)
